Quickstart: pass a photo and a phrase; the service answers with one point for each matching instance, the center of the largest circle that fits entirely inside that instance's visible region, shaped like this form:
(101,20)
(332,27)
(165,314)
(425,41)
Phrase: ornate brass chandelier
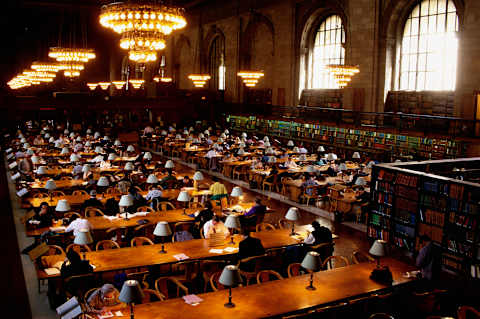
(199,80)
(71,60)
(118,84)
(143,26)
(92,86)
(250,78)
(136,83)
(46,66)
(162,79)
(342,73)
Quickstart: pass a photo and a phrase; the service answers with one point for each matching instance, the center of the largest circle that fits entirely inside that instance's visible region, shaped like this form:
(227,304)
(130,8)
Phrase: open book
(71,309)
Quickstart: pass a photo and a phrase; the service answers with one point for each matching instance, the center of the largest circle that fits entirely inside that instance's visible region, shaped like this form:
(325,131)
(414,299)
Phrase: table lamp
(86,168)
(147,156)
(125,201)
(130,148)
(162,230)
(342,167)
(296,149)
(226,131)
(241,151)
(102,181)
(42,170)
(66,131)
(51,139)
(370,164)
(130,294)
(198,176)
(232,222)
(290,144)
(35,160)
(89,131)
(185,198)
(83,237)
(74,158)
(106,138)
(72,135)
(320,149)
(98,149)
(206,132)
(267,144)
(237,192)
(64,151)
(360,181)
(152,179)
(312,263)
(88,144)
(62,206)
(292,215)
(381,274)
(178,137)
(117,143)
(201,136)
(331,157)
(79,139)
(23,140)
(129,166)
(230,277)
(47,135)
(112,157)
(169,164)
(50,186)
(266,139)
(26,145)
(220,140)
(163,133)
(356,155)
(96,135)
(244,134)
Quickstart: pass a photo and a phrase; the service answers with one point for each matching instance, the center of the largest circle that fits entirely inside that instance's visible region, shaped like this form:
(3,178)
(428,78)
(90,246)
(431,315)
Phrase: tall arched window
(428,58)
(328,48)
(217,63)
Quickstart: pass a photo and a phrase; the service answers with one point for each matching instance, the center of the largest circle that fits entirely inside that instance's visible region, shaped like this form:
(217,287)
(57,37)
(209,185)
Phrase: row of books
(435,233)
(407,180)
(378,233)
(432,217)
(460,248)
(434,201)
(465,221)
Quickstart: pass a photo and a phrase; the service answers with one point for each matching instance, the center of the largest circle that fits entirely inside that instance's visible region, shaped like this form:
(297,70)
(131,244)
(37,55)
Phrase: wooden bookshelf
(367,140)
(438,103)
(408,203)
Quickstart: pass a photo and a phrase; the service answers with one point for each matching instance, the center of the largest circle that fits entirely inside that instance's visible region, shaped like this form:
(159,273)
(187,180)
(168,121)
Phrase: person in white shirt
(105,164)
(211,153)
(153,193)
(289,163)
(98,159)
(78,224)
(214,226)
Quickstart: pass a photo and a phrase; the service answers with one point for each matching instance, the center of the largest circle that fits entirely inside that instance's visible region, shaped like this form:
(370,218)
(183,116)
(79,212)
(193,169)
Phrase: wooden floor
(349,241)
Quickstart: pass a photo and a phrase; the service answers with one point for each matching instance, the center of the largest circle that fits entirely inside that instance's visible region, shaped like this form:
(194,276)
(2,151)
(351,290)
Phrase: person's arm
(309,240)
(70,227)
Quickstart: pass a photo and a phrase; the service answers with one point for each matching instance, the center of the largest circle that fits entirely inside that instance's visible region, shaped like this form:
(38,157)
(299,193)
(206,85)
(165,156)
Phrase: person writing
(205,215)
(44,216)
(104,299)
(256,209)
(74,265)
(320,235)
(214,226)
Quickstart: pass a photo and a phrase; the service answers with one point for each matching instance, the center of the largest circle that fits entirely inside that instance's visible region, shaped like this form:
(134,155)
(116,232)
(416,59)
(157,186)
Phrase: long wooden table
(279,297)
(196,249)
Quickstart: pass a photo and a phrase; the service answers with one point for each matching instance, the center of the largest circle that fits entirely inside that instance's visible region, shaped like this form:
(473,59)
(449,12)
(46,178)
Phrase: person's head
(316,225)
(258,201)
(215,219)
(186,179)
(73,257)
(214,179)
(107,291)
(208,205)
(246,231)
(93,193)
(132,190)
(43,207)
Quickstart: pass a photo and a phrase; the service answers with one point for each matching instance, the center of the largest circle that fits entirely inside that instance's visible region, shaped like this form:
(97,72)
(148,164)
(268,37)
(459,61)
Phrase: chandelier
(199,80)
(342,73)
(143,26)
(250,78)
(46,66)
(104,85)
(71,59)
(92,86)
(162,79)
(118,84)
(136,83)
(29,78)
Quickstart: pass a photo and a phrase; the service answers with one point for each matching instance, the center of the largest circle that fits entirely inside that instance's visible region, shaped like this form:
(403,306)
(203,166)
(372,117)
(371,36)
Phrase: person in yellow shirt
(217,189)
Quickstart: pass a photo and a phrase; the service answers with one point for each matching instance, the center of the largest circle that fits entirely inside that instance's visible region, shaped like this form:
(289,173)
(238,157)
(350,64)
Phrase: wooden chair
(80,192)
(150,295)
(141,277)
(270,182)
(145,209)
(163,206)
(239,172)
(361,257)
(314,194)
(78,248)
(120,234)
(106,244)
(338,261)
(145,230)
(284,224)
(164,286)
(463,311)
(268,275)
(208,268)
(284,181)
(55,250)
(93,211)
(264,227)
(70,214)
(140,241)
(78,285)
(66,178)
(89,292)
(214,283)
(58,194)
(427,302)
(111,191)
(295,269)
(256,261)
(196,205)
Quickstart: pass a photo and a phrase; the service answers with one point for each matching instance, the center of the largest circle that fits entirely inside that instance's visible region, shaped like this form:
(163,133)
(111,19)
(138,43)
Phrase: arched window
(328,48)
(428,54)
(217,63)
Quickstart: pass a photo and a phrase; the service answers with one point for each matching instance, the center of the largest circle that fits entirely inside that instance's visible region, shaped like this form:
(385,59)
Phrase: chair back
(140,241)
(145,230)
(295,269)
(93,211)
(80,192)
(58,194)
(78,248)
(79,285)
(268,275)
(361,257)
(284,224)
(335,262)
(264,227)
(145,209)
(170,287)
(163,206)
(150,295)
(106,244)
(381,316)
(141,277)
(55,250)
(70,214)
(214,283)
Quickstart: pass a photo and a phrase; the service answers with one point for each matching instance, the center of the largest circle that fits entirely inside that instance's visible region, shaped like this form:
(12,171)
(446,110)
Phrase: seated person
(256,209)
(74,265)
(187,182)
(310,181)
(264,158)
(205,215)
(154,192)
(138,199)
(214,225)
(290,163)
(217,189)
(302,150)
(249,247)
(320,235)
(170,178)
(104,299)
(111,207)
(43,215)
(331,171)
(364,199)
(38,140)
(211,153)
(77,224)
(92,201)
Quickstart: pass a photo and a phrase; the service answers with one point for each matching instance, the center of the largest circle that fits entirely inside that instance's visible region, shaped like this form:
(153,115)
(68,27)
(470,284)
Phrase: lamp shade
(51,139)
(378,248)
(269,151)
(266,139)
(290,143)
(185,132)
(112,156)
(292,214)
(370,164)
(98,149)
(147,156)
(169,164)
(201,135)
(50,185)
(360,181)
(129,166)
(233,222)
(79,139)
(83,237)
(102,181)
(42,170)
(35,159)
(130,148)
(244,134)
(236,192)
(64,151)
(86,168)
(96,135)
(198,176)
(23,140)
(183,196)
(230,276)
(62,206)
(47,135)
(223,135)
(226,131)
(206,132)
(58,144)
(241,151)
(356,155)
(126,201)
(88,144)
(106,138)
(89,131)
(296,149)
(272,159)
(152,179)
(331,157)
(162,229)
(342,167)
(117,143)
(74,158)
(131,292)
(312,261)
(164,133)
(66,131)
(321,149)
(178,137)
(242,144)
(267,144)
(72,135)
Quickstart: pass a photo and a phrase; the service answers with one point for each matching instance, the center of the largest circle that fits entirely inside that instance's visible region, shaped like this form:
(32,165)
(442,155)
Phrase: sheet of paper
(110,217)
(105,315)
(180,257)
(9,156)
(8,150)
(58,228)
(51,271)
(141,213)
(22,192)
(230,249)
(12,165)
(216,251)
(118,314)
(15,176)
(192,299)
